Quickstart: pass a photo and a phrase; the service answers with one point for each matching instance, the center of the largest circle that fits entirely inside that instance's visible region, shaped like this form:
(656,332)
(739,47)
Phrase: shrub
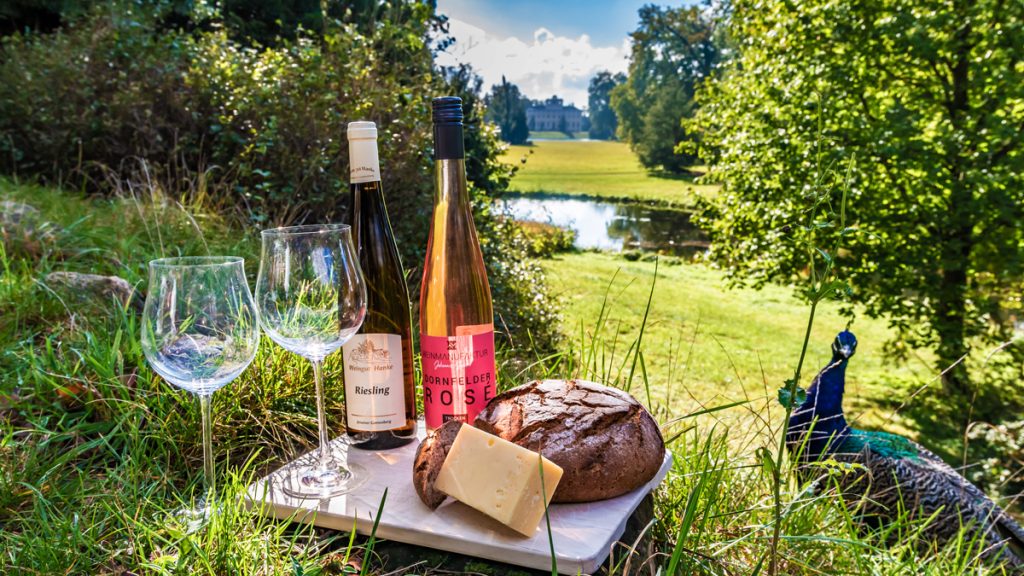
(546,240)
(94,95)
(114,98)
(1002,448)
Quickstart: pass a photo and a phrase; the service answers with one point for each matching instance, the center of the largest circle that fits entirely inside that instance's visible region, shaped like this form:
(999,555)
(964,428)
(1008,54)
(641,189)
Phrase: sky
(545,47)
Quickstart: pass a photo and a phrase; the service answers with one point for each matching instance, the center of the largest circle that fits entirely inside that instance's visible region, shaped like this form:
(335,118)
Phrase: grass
(707,344)
(95,450)
(599,169)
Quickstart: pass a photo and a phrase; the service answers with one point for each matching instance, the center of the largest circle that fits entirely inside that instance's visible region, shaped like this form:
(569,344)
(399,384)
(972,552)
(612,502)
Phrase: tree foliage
(929,97)
(506,107)
(251,22)
(603,122)
(674,50)
(42,15)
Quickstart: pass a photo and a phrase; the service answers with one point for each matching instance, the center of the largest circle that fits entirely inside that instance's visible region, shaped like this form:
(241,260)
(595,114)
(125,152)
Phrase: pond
(614,226)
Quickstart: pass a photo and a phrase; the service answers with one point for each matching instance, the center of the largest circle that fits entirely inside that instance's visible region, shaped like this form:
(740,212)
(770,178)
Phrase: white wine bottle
(456,317)
(380,389)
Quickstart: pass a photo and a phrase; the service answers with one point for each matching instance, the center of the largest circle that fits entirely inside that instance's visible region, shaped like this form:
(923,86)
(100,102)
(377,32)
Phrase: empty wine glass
(199,332)
(312,299)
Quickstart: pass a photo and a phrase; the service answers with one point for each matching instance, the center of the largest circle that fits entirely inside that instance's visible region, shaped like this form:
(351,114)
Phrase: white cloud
(546,65)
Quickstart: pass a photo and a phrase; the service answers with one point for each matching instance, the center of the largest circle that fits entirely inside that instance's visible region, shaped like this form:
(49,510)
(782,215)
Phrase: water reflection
(610,226)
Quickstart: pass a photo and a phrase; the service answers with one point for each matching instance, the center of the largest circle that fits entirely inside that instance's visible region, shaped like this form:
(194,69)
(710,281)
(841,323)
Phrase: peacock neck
(821,414)
(826,393)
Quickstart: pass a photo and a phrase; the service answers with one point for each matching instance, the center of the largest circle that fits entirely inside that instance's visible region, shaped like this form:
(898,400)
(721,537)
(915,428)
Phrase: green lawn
(705,344)
(596,168)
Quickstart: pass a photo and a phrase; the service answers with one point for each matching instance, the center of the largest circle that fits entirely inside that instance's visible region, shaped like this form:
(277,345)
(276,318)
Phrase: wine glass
(312,299)
(199,332)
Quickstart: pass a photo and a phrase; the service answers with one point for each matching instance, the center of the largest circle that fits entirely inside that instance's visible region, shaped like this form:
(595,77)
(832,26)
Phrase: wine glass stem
(205,402)
(321,419)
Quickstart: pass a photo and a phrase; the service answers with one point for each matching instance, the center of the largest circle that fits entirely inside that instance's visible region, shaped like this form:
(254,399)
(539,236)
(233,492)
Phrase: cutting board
(583,533)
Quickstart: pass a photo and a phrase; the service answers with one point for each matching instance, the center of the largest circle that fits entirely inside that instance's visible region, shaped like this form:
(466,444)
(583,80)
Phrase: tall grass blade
(373,535)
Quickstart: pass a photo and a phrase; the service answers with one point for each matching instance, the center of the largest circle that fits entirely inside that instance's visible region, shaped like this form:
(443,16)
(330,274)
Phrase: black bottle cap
(447,110)
(448,143)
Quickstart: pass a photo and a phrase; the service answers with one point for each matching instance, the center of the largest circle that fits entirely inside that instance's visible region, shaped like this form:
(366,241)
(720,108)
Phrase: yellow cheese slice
(498,478)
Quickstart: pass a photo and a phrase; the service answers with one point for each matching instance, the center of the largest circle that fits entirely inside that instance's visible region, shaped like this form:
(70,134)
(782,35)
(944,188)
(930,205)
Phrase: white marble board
(583,533)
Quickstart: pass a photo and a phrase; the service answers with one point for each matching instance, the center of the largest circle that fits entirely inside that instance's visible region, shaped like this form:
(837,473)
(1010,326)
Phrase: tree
(674,50)
(928,96)
(602,117)
(484,168)
(506,107)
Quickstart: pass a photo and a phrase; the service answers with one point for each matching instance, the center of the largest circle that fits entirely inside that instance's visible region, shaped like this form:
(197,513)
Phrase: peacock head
(844,345)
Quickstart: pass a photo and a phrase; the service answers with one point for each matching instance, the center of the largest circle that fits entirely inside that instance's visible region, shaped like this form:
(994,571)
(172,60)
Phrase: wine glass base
(314,482)
(193,518)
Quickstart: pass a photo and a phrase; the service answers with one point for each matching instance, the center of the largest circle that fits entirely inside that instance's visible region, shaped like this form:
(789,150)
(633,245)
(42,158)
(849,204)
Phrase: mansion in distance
(552,114)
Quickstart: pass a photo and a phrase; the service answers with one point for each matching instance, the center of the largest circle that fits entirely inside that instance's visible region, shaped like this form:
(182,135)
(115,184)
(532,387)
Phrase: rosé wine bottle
(456,316)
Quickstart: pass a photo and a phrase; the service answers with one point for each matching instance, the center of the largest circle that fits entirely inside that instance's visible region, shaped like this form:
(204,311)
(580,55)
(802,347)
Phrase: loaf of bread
(429,457)
(606,442)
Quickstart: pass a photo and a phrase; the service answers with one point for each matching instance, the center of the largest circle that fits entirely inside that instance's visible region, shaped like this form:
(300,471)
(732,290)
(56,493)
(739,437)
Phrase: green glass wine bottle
(380,401)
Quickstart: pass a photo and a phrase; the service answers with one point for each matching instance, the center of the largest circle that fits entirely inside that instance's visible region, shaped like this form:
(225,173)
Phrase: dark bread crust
(430,456)
(605,441)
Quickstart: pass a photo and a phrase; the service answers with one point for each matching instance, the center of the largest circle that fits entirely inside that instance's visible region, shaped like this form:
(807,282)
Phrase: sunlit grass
(601,169)
(706,343)
(555,135)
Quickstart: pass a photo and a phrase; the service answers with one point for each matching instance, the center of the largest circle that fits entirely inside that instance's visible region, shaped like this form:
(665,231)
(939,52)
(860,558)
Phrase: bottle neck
(364,165)
(366,201)
(450,183)
(448,141)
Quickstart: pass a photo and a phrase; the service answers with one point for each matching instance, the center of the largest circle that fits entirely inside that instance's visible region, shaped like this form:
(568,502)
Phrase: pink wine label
(458,375)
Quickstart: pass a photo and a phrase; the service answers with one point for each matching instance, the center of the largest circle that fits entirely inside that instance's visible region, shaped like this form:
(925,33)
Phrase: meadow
(705,343)
(600,169)
(96,451)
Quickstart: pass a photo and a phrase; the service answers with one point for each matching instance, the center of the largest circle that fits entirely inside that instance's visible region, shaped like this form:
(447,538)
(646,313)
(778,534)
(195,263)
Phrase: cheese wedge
(498,478)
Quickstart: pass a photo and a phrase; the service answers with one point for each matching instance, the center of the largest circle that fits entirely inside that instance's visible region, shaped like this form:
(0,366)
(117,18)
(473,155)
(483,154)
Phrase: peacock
(895,473)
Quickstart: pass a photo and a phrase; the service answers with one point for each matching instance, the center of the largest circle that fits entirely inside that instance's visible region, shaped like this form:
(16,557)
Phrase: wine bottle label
(458,375)
(374,393)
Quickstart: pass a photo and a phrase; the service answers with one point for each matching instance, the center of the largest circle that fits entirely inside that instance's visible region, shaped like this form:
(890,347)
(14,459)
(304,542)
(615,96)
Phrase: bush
(113,100)
(98,94)
(1002,448)
(546,240)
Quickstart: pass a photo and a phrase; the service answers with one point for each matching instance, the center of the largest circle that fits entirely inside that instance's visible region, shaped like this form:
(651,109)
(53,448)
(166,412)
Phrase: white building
(554,115)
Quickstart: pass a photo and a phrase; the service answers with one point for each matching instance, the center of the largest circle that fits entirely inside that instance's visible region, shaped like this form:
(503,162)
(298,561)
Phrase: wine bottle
(456,317)
(380,389)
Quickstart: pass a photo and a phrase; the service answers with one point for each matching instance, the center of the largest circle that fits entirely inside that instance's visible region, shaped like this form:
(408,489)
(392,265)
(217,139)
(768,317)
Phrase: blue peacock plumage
(896,474)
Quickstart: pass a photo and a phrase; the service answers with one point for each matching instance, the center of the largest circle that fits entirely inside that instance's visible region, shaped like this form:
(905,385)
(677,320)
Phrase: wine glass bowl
(199,332)
(311,298)
(310,289)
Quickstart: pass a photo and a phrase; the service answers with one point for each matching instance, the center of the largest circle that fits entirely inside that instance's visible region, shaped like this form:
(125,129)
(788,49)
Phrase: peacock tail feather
(888,481)
(881,443)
